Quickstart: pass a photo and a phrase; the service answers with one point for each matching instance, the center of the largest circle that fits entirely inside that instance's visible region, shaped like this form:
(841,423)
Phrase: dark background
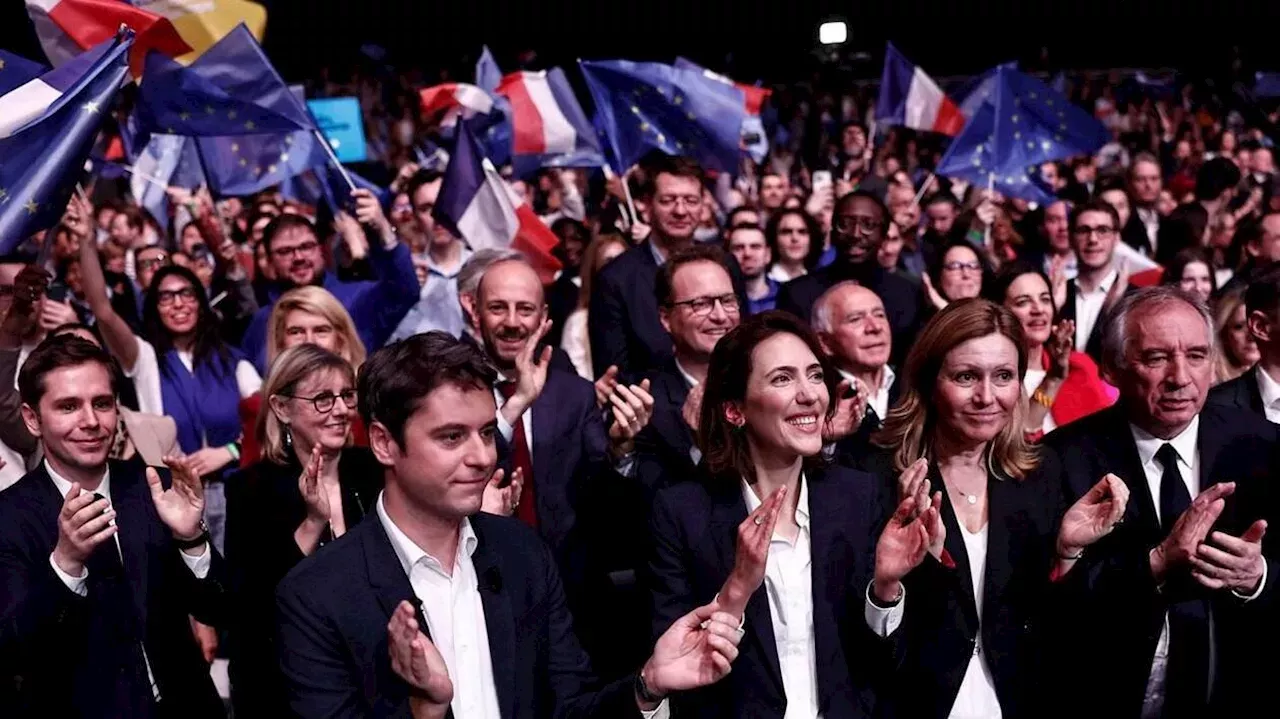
(752,39)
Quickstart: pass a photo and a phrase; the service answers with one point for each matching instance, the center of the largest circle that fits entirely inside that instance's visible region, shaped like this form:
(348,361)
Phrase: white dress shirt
(1089,306)
(788,582)
(455,616)
(977,698)
(695,454)
(1184,445)
(879,400)
(1270,391)
(1150,219)
(199,566)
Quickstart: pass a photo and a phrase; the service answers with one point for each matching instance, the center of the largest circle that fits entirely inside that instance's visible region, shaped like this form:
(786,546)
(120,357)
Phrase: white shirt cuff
(199,565)
(883,621)
(75,584)
(505,428)
(1246,597)
(662,712)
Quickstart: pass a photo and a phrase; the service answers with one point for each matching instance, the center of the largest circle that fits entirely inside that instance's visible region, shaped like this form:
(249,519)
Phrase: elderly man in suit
(436,609)
(100,562)
(1182,595)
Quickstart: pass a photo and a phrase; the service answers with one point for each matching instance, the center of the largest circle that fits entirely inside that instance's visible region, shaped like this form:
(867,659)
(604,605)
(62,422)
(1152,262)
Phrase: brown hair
(911,424)
(724,446)
(666,276)
(591,264)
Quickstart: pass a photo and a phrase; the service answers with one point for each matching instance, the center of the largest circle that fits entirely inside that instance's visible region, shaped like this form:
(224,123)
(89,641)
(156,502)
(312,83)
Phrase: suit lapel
(499,623)
(1117,444)
(954,545)
(1253,393)
(543,423)
(386,575)
(827,512)
(729,511)
(134,520)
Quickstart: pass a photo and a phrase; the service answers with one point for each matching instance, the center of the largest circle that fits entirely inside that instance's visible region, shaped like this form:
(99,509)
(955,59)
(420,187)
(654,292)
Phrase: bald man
(578,492)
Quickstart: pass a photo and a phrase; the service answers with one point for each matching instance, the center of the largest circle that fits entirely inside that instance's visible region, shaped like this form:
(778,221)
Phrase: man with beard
(294,251)
(857,229)
(550,430)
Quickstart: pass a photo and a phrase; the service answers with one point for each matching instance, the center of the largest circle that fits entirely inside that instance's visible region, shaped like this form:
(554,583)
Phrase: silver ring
(758,521)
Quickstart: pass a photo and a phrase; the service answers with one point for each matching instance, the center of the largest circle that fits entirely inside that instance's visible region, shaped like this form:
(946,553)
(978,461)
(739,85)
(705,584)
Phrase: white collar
(64,485)
(688,378)
(1104,286)
(1268,388)
(409,553)
(886,380)
(802,503)
(1184,443)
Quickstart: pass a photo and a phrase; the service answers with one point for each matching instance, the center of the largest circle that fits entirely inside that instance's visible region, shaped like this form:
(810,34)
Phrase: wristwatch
(642,690)
(195,541)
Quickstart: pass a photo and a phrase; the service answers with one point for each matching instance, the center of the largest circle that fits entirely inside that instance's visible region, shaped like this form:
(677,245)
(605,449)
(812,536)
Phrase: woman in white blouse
(965,569)
(574,340)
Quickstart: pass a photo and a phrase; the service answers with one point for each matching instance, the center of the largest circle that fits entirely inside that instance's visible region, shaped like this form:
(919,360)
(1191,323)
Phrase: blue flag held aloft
(47,129)
(968,159)
(649,105)
(16,71)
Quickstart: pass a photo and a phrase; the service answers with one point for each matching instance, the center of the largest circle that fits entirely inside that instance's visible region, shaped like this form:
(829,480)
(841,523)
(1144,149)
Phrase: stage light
(833,33)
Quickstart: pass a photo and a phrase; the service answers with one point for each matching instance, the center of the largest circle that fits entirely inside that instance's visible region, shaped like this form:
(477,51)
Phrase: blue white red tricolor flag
(68,27)
(549,128)
(910,98)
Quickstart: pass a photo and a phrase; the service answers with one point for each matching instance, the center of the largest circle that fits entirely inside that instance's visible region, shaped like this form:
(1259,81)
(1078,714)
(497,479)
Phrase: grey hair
(820,316)
(1115,323)
(474,268)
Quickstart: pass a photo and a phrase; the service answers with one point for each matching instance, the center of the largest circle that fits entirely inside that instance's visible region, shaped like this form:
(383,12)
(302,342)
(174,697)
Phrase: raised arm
(117,334)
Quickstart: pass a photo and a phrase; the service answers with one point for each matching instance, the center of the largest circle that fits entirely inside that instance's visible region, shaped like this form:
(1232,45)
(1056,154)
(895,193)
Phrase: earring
(288,438)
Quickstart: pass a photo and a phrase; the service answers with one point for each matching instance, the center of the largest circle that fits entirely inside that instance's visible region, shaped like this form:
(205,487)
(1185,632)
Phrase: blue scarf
(205,404)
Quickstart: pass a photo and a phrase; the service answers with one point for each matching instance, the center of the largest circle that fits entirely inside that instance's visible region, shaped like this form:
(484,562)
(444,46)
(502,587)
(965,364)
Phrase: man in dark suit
(1093,239)
(1257,391)
(492,635)
(857,229)
(1180,598)
(622,320)
(697,308)
(94,620)
(1142,232)
(550,427)
(854,331)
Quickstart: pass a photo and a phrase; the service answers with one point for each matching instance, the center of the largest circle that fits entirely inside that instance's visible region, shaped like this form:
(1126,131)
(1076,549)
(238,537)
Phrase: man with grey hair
(854,331)
(1182,594)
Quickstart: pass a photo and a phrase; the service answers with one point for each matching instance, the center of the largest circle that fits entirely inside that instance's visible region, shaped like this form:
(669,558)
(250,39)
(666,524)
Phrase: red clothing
(1082,393)
(250,452)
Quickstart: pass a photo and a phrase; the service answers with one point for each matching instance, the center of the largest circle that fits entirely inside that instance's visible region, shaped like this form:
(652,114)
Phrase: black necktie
(1174,497)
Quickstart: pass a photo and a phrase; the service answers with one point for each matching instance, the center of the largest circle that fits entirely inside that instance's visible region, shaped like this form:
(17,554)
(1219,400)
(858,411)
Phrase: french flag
(910,98)
(68,27)
(476,204)
(549,128)
(453,100)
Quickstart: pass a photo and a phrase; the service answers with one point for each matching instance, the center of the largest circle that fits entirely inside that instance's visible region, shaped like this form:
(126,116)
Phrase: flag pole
(928,182)
(334,159)
(991,186)
(149,178)
(631,204)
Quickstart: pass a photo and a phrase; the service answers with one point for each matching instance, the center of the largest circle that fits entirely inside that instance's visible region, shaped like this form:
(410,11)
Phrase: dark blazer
(1093,346)
(622,320)
(67,655)
(662,448)
(264,508)
(335,605)
(901,297)
(694,534)
(1241,393)
(940,624)
(1134,234)
(852,450)
(1119,604)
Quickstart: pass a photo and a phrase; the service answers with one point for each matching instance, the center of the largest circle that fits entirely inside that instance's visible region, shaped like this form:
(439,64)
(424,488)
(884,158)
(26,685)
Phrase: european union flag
(1035,124)
(252,163)
(238,65)
(178,100)
(16,70)
(643,105)
(46,135)
(970,158)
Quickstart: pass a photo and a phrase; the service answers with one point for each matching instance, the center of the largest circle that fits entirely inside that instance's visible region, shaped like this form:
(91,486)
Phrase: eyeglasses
(702,306)
(305,248)
(962,266)
(154,263)
(325,401)
(1104,233)
(693,202)
(164,298)
(850,223)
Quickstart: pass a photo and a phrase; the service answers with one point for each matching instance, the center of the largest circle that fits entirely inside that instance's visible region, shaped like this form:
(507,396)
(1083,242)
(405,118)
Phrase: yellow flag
(201,23)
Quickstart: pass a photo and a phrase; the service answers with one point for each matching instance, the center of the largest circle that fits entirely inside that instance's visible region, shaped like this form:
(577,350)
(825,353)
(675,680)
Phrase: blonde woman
(1239,351)
(310,487)
(574,339)
(304,315)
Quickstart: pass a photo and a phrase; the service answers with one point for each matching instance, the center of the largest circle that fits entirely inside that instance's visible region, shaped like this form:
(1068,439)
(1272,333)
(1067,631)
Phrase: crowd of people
(836,437)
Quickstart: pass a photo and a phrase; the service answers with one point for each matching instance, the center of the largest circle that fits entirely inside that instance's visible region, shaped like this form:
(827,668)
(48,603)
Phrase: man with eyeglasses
(622,321)
(697,306)
(376,306)
(858,228)
(1094,232)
